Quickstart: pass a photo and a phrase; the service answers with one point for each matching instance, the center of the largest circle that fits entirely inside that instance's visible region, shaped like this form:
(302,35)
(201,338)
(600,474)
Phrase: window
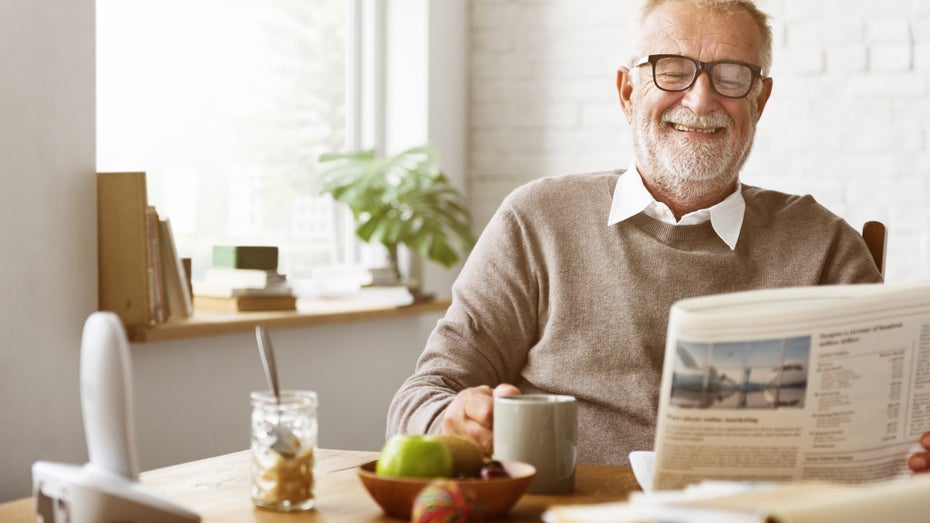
(226,104)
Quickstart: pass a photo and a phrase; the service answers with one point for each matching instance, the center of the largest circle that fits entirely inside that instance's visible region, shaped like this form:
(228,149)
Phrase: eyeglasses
(671,72)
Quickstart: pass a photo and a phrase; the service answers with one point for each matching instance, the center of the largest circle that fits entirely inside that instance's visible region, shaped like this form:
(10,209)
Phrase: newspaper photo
(827,383)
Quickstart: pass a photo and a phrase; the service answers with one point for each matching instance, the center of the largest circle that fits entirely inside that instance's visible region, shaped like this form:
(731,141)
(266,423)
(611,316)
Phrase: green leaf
(403,199)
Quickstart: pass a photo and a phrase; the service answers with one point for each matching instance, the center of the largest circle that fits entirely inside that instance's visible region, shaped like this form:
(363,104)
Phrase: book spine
(157,309)
(177,291)
(225,291)
(246,304)
(242,278)
(246,257)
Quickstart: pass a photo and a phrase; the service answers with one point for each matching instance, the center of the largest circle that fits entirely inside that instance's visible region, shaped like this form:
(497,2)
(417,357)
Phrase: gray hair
(724,6)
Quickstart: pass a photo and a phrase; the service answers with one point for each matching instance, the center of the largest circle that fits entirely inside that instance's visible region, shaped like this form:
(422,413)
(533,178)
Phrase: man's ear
(625,90)
(763,97)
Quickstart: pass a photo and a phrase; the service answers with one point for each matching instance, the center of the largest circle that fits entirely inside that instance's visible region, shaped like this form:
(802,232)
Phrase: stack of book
(244,278)
(140,276)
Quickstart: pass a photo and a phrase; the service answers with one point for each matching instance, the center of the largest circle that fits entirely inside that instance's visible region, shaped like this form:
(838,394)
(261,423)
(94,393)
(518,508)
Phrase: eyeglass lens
(677,74)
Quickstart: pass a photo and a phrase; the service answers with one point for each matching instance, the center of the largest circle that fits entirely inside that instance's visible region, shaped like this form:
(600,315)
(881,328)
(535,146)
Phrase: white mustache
(682,116)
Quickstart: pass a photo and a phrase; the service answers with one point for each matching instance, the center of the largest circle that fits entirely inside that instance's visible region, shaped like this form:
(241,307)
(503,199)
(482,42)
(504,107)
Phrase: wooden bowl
(497,496)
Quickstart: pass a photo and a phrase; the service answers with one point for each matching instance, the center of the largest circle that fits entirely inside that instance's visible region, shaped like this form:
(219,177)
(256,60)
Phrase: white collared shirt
(631,198)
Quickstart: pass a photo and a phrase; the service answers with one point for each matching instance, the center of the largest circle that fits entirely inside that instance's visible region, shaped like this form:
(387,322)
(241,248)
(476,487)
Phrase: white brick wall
(848,122)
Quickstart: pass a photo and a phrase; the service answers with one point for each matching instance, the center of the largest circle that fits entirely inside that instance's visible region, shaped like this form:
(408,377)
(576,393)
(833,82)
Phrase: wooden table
(218,489)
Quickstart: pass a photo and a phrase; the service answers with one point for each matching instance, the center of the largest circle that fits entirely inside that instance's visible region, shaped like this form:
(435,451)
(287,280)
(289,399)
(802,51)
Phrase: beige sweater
(554,300)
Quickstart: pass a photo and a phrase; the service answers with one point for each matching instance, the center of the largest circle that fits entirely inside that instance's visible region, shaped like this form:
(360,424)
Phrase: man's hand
(471,413)
(920,462)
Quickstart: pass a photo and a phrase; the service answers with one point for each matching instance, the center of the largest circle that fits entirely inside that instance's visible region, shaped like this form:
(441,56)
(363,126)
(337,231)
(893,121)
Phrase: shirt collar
(631,198)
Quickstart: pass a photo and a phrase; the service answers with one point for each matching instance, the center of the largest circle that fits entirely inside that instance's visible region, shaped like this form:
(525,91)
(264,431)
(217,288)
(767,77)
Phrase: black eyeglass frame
(700,66)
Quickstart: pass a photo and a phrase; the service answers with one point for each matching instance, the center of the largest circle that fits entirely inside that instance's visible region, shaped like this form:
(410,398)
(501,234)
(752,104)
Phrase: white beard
(693,171)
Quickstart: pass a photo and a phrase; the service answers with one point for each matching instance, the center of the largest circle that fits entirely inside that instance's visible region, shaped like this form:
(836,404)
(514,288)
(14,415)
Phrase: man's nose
(701,97)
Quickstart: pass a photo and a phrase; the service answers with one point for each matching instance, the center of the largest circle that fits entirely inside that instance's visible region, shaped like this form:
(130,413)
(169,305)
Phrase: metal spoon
(285,442)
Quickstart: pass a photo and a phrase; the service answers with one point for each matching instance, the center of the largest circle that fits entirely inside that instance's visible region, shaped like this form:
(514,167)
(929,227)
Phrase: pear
(467,455)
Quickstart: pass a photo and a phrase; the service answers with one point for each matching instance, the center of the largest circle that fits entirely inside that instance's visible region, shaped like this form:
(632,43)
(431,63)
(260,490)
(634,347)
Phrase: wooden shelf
(316,312)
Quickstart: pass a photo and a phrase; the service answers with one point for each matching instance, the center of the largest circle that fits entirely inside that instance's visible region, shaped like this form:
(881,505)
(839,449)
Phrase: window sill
(316,312)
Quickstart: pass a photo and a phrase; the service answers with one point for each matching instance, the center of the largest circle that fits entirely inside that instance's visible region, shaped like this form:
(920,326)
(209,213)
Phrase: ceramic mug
(539,429)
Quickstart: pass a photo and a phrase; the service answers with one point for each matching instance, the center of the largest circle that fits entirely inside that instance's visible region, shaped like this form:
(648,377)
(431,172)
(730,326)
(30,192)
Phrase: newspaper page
(826,383)
(898,500)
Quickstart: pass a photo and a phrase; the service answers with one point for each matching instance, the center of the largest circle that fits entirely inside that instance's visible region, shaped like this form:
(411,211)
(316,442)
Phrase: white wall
(848,120)
(47,206)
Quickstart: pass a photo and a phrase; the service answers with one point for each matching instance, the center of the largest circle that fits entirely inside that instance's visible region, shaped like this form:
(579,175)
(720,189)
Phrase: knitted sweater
(554,300)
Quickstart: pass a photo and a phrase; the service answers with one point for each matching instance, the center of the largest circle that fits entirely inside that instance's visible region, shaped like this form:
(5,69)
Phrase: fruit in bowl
(467,456)
(395,495)
(496,490)
(415,455)
(446,501)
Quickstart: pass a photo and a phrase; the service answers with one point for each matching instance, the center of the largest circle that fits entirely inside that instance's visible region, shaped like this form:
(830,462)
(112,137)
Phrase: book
(246,257)
(122,248)
(177,290)
(246,303)
(219,290)
(243,278)
(157,306)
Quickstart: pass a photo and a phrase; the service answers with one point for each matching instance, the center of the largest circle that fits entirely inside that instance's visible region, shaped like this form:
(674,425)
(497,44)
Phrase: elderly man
(569,287)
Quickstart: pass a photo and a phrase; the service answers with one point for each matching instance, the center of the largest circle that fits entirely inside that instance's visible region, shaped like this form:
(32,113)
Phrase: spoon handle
(267,353)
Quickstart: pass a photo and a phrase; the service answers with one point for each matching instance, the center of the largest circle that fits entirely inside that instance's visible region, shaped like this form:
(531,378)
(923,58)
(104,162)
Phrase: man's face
(690,145)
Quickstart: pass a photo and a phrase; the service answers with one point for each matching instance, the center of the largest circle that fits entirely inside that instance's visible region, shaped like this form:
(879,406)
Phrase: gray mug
(539,429)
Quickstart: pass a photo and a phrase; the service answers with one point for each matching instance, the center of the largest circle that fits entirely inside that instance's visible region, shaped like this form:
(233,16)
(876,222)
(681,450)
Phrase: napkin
(643,463)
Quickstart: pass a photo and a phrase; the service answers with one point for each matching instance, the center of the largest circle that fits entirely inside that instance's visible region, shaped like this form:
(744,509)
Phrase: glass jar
(284,442)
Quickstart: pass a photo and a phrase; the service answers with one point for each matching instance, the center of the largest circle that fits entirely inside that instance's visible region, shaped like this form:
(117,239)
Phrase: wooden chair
(873,233)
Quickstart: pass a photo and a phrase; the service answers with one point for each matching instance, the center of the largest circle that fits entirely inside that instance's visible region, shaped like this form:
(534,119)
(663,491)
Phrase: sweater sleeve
(485,335)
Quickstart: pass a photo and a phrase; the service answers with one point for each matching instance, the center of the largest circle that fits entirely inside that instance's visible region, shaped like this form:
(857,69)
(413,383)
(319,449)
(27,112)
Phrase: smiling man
(694,131)
(569,287)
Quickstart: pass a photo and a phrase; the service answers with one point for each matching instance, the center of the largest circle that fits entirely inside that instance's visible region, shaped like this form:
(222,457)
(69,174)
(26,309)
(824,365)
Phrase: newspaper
(827,383)
(786,406)
(898,500)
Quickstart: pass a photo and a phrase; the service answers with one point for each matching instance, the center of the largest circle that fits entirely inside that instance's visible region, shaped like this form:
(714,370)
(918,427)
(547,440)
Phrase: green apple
(415,455)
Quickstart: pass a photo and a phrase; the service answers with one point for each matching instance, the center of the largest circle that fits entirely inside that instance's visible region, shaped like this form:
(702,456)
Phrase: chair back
(873,232)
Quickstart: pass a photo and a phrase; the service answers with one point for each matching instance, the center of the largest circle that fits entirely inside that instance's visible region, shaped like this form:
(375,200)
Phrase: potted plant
(401,200)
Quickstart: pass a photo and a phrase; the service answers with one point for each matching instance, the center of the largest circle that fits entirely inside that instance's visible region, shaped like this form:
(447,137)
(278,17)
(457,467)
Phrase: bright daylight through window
(226,105)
